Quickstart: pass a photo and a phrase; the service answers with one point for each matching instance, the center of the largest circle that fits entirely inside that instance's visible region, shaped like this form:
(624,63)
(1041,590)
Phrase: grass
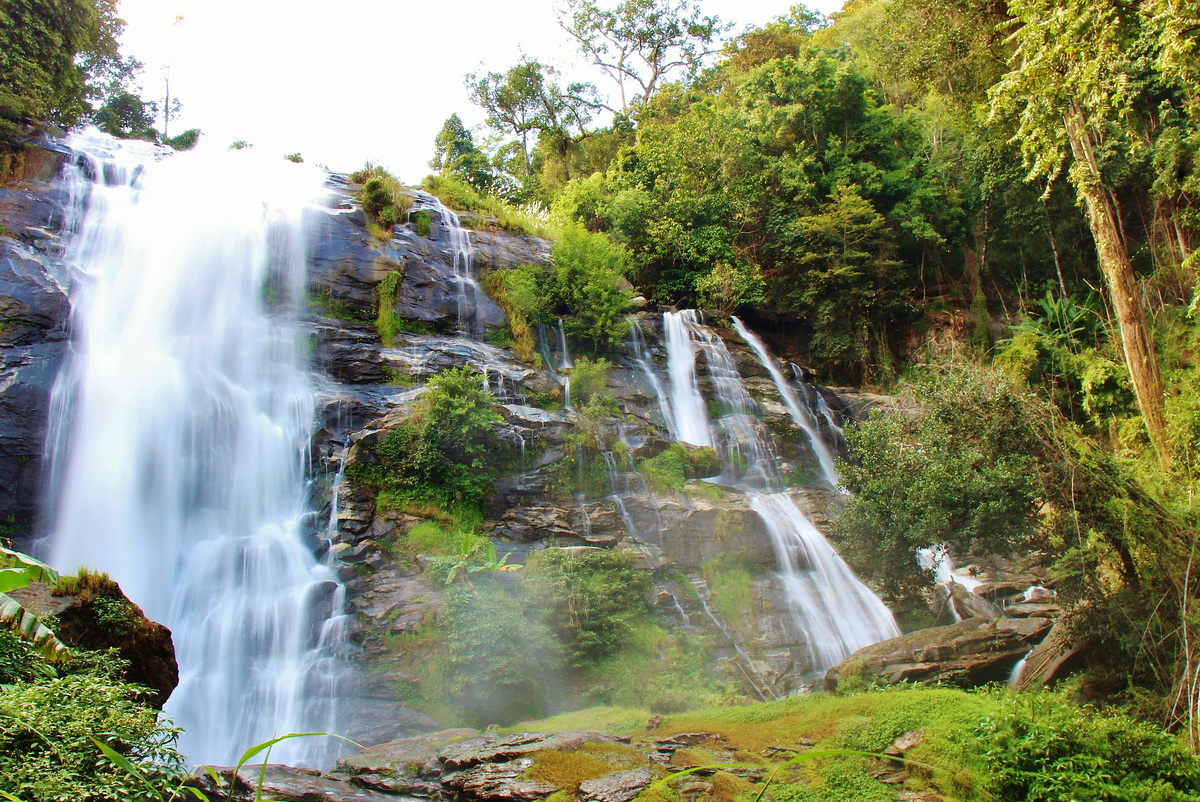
(461,196)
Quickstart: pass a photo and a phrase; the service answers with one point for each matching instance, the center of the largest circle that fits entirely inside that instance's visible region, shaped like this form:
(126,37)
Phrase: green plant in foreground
(135,772)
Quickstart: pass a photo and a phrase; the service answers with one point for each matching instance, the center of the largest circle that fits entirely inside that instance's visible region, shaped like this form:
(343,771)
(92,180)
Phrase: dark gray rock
(33,320)
(284,784)
(621,786)
(968,653)
(501,781)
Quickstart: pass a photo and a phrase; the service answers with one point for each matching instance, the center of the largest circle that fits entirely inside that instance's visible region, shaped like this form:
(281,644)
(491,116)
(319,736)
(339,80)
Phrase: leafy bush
(674,466)
(493,661)
(587,279)
(1041,747)
(589,380)
(591,601)
(46,726)
(381,196)
(447,452)
(519,293)
(386,322)
(962,472)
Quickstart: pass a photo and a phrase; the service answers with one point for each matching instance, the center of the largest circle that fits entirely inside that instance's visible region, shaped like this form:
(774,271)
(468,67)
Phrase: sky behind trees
(346,82)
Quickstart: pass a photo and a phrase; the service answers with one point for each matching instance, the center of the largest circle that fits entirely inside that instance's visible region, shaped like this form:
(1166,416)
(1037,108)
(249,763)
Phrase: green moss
(730,580)
(566,769)
(397,378)
(386,319)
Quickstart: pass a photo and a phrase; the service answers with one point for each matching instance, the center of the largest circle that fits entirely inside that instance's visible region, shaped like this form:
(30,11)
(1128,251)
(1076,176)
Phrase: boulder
(621,786)
(1051,660)
(969,653)
(97,615)
(283,784)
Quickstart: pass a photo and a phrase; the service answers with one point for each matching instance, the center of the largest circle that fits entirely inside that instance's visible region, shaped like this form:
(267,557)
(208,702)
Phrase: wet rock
(621,786)
(955,602)
(349,352)
(285,784)
(499,748)
(969,653)
(686,739)
(499,781)
(33,315)
(502,250)
(1051,660)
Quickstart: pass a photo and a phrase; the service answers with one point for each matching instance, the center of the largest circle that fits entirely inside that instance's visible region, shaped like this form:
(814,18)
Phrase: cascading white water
(468,291)
(835,610)
(180,438)
(798,412)
(643,362)
(687,405)
(565,362)
(746,449)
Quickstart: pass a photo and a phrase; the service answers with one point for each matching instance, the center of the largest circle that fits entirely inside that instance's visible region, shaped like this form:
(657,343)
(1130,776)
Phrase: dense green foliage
(48,52)
(447,452)
(592,602)
(963,472)
(570,627)
(985,746)
(48,716)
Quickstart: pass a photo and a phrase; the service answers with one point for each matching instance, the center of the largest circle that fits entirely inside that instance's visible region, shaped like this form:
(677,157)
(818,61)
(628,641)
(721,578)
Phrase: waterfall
(687,405)
(643,362)
(180,438)
(565,363)
(462,253)
(836,611)
(798,412)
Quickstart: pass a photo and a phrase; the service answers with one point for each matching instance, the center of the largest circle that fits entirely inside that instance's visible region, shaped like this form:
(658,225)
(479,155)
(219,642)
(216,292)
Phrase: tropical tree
(48,53)
(641,43)
(1075,82)
(526,101)
(455,154)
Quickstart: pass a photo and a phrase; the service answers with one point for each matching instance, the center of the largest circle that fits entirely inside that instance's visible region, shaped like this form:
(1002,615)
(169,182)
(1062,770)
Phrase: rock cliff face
(33,324)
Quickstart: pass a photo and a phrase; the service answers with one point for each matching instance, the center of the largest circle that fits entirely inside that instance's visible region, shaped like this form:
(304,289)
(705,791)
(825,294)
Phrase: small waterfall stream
(798,412)
(181,430)
(836,611)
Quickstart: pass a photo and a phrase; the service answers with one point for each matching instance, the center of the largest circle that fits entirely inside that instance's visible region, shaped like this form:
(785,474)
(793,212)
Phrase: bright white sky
(344,81)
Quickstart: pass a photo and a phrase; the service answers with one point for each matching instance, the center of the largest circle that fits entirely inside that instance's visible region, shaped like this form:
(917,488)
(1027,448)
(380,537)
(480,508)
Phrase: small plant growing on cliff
(381,196)
(385,319)
(447,452)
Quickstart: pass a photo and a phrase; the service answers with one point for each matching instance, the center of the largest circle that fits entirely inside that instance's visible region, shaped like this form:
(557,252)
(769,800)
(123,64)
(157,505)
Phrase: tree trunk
(1140,357)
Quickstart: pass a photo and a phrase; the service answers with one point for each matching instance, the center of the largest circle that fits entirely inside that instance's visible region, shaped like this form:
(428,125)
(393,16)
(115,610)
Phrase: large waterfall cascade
(180,431)
(833,608)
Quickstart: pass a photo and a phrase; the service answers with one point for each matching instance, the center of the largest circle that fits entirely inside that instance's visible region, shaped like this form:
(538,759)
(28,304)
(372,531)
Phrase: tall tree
(640,43)
(48,51)
(526,101)
(454,153)
(1070,85)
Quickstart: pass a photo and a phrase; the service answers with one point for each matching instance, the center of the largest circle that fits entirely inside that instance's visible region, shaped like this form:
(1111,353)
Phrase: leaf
(126,765)
(10,797)
(16,617)
(37,570)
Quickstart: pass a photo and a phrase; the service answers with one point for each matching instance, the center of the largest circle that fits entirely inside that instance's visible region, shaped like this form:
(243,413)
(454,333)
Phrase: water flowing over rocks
(969,653)
(33,321)
(772,432)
